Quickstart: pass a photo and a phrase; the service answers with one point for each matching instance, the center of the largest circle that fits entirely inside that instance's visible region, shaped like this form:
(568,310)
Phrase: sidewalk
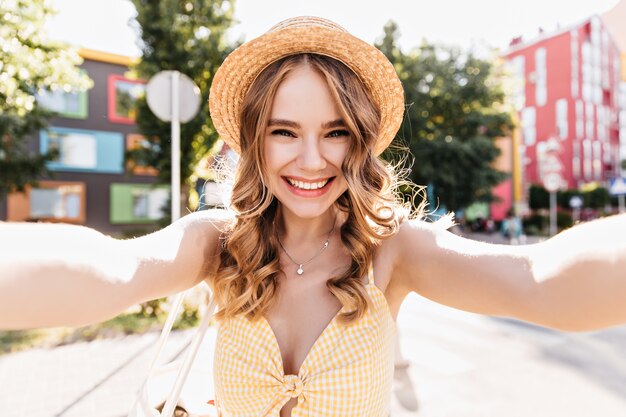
(96,379)
(466,365)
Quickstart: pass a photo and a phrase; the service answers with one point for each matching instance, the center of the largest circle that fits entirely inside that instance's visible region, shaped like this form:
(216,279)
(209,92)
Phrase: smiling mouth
(305,185)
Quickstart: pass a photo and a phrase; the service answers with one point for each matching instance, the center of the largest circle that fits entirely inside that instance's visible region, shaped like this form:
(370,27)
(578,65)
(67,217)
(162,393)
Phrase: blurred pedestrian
(513,230)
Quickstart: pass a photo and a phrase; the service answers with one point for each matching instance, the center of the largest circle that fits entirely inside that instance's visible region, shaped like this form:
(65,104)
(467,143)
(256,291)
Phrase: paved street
(467,365)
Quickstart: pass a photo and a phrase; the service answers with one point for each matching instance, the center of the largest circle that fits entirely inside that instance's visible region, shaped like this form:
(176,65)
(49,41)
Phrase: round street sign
(576,201)
(552,182)
(159,96)
(550,165)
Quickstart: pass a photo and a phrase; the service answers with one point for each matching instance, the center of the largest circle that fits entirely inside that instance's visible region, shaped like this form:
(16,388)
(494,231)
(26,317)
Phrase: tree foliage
(190,37)
(29,63)
(455,111)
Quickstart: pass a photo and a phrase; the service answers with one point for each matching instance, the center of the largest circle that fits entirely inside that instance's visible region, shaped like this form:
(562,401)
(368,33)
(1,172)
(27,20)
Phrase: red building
(567,93)
(614,20)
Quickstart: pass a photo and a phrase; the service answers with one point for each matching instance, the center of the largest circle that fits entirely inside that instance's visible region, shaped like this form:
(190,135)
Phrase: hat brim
(233,79)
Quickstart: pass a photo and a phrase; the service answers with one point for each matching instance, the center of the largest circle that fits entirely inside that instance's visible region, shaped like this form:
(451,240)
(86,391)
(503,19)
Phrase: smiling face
(306,142)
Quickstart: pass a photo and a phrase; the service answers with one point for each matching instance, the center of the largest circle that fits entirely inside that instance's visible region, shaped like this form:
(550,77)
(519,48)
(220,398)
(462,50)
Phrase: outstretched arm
(574,281)
(55,274)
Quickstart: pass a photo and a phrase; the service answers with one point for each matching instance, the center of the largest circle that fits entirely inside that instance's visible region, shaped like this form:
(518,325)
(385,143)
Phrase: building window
(603,117)
(141,203)
(517,66)
(606,77)
(575,62)
(561,118)
(138,203)
(597,160)
(607,152)
(600,122)
(587,69)
(135,143)
(587,159)
(596,51)
(122,98)
(541,77)
(597,74)
(591,125)
(529,126)
(576,159)
(580,119)
(83,150)
(71,105)
(53,201)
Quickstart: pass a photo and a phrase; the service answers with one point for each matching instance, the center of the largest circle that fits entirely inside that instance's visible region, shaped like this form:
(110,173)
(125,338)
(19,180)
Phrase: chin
(306,210)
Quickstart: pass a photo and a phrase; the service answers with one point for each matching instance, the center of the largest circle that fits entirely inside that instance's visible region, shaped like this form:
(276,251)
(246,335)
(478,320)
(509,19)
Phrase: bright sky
(103,24)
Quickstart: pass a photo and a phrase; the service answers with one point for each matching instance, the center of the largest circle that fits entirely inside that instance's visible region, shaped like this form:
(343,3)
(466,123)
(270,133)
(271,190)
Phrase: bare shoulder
(405,256)
(427,250)
(418,238)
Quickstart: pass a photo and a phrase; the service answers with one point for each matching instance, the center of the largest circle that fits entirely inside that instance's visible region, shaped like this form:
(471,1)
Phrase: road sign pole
(175,147)
(173,97)
(553,225)
(620,200)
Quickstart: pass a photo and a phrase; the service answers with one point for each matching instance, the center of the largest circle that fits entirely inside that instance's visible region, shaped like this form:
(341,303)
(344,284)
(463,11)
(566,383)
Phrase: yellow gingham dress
(347,373)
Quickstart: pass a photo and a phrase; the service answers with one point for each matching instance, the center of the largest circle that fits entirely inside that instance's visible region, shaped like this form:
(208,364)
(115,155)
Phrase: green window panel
(137,203)
(71,104)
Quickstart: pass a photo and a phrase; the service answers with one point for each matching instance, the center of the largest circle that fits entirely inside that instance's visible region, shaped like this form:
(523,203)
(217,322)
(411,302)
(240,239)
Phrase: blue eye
(338,133)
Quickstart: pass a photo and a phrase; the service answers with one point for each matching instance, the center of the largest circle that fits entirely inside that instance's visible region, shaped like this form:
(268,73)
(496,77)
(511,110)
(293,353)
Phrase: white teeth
(307,185)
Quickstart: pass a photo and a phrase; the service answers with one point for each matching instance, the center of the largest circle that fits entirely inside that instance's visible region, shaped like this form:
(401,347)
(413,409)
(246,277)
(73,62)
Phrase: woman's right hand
(59,274)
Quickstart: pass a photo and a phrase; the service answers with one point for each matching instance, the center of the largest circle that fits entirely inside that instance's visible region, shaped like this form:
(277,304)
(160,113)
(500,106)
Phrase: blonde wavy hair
(246,280)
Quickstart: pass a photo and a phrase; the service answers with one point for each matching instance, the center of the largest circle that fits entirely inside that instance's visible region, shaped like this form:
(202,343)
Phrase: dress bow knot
(294,385)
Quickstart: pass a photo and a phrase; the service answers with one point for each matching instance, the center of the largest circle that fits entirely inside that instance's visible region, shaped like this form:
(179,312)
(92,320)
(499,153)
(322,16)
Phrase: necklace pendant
(300,271)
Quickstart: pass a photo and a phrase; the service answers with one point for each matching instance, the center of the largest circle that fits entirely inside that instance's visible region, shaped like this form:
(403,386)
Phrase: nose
(311,156)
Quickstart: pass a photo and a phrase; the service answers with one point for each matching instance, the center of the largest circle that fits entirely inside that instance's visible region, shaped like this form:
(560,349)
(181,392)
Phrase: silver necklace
(301,265)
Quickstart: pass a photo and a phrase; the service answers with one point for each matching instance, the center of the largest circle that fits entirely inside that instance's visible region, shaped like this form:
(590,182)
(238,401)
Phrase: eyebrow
(295,125)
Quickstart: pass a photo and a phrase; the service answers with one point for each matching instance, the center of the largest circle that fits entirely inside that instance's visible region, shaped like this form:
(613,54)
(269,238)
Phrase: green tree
(538,197)
(29,63)
(190,37)
(455,111)
(597,198)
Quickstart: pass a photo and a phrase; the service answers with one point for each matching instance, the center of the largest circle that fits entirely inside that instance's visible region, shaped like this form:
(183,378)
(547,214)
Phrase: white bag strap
(142,407)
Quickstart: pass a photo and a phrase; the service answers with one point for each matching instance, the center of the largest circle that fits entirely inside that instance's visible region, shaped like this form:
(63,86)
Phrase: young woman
(312,261)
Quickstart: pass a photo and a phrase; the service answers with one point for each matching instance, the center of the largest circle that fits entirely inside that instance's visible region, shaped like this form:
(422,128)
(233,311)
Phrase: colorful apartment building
(569,94)
(615,21)
(92,183)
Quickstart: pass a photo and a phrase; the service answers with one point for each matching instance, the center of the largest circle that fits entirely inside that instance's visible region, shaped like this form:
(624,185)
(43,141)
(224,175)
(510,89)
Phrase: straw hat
(305,35)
